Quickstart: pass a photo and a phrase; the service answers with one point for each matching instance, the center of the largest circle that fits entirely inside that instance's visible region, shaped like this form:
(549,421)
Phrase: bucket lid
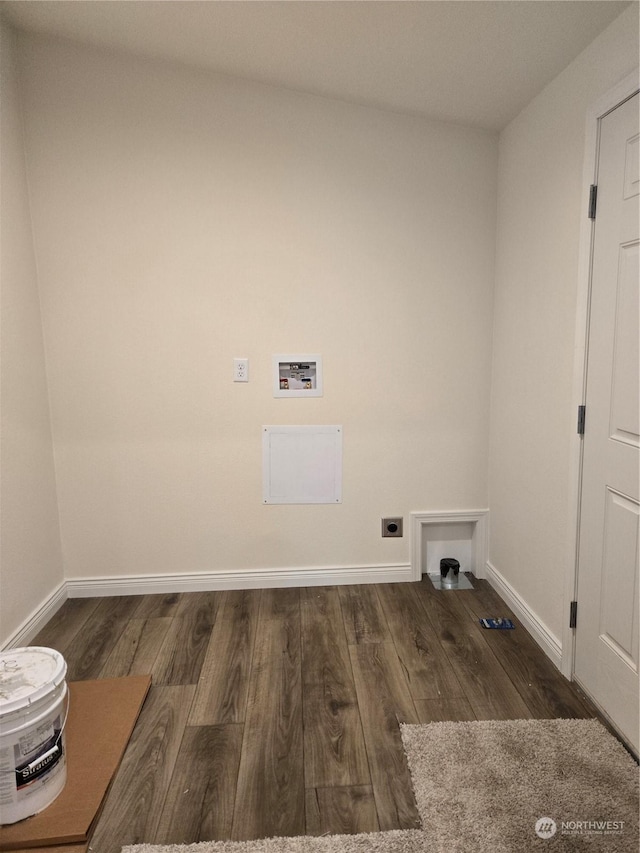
(27,675)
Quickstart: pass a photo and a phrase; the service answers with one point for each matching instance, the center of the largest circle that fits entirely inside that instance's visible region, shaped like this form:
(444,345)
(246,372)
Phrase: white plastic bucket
(33,714)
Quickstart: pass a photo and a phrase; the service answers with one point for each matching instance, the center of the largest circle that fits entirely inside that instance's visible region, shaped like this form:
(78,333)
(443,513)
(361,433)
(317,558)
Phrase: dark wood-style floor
(276,712)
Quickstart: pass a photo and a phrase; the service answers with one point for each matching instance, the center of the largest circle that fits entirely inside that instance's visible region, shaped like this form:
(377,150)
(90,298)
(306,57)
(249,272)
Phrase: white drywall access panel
(302,464)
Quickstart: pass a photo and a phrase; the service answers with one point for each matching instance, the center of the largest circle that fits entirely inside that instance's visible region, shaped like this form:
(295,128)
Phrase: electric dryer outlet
(392,527)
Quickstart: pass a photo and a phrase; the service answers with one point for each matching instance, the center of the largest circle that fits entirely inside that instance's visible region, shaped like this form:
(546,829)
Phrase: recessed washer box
(302,464)
(297,375)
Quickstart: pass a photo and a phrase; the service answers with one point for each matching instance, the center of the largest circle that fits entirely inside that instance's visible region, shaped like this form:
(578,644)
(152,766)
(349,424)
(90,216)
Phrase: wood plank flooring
(276,712)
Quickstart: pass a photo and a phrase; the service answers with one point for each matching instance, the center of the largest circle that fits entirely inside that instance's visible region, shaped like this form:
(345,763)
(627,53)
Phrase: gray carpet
(487,786)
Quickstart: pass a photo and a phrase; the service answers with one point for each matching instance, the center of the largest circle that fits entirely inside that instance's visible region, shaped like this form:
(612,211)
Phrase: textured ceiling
(474,62)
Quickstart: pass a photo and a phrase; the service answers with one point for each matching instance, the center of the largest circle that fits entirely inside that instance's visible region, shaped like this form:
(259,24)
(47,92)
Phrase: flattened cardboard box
(102,715)
(83,847)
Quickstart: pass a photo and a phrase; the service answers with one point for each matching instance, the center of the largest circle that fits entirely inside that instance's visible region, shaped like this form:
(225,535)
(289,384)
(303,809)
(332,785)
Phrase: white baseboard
(247,579)
(38,619)
(200,582)
(547,641)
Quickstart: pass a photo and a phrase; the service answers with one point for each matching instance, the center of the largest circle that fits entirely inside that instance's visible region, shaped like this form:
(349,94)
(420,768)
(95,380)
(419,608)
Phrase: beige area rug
(505,787)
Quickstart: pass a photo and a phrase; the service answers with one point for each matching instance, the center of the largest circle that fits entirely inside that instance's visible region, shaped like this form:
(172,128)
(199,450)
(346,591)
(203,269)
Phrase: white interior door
(606,650)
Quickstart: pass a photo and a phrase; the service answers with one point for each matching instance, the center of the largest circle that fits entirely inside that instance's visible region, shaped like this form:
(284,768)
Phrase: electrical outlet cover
(392,527)
(240,369)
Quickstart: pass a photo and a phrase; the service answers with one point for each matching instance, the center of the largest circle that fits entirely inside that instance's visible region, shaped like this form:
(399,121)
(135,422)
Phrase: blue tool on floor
(497,623)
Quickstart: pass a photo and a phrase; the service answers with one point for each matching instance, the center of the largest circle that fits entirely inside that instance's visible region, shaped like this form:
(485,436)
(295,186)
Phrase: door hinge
(593,198)
(573,614)
(582,411)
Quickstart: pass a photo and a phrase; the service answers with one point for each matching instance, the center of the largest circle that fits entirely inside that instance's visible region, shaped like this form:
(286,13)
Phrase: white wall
(183,219)
(533,421)
(31,560)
